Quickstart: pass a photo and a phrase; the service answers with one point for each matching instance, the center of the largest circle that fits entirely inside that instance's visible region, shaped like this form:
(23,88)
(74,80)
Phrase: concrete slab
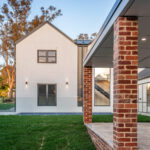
(105,131)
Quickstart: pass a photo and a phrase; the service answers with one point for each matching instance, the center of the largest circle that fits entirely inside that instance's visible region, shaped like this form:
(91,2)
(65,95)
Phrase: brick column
(87,100)
(125,83)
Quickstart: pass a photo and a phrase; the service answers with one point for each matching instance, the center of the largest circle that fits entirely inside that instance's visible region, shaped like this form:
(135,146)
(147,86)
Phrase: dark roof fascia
(84,44)
(106,22)
(38,27)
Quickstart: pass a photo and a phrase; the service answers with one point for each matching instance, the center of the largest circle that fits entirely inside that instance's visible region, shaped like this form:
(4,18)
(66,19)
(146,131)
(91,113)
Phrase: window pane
(42,95)
(81,51)
(42,53)
(52,95)
(102,87)
(47,56)
(51,59)
(51,53)
(42,59)
(148,94)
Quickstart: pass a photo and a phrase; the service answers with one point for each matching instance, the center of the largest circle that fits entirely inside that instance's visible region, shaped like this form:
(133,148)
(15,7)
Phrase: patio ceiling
(101,54)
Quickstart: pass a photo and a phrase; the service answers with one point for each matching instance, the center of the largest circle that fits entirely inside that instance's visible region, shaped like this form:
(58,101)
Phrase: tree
(84,36)
(93,36)
(4,74)
(14,24)
(3,88)
(46,15)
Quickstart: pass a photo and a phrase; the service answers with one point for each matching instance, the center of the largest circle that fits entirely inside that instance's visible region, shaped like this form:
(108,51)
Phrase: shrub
(4,91)
(7,100)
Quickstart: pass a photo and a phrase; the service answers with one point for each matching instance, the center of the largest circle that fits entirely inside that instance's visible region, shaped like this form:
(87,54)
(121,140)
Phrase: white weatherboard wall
(27,69)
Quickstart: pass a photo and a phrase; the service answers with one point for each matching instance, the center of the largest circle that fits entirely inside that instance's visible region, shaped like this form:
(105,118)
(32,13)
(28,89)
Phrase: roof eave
(117,10)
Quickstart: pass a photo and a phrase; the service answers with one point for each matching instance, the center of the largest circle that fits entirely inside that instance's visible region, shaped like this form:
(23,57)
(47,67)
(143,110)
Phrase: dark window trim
(109,91)
(46,94)
(47,56)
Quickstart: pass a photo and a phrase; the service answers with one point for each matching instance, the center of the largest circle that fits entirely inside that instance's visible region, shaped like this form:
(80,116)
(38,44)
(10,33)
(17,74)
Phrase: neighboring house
(144,91)
(49,74)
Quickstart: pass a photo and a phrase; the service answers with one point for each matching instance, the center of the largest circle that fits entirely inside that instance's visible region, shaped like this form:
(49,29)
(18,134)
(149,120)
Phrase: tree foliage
(46,15)
(84,36)
(3,87)
(14,24)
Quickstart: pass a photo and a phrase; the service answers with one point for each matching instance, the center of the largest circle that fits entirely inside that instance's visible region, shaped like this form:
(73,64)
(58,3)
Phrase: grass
(5,106)
(44,133)
(109,118)
(142,118)
(65,132)
(102,118)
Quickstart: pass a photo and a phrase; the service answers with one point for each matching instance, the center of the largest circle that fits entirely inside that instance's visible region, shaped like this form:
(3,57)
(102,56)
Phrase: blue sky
(79,16)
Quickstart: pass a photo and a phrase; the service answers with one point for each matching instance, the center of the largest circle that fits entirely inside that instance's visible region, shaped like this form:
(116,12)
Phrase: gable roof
(144,74)
(41,25)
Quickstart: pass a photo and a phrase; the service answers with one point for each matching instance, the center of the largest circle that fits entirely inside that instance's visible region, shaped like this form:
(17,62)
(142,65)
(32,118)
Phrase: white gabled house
(46,72)
(49,74)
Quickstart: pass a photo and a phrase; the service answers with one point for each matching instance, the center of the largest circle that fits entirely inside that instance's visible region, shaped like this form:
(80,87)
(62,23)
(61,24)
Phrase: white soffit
(101,54)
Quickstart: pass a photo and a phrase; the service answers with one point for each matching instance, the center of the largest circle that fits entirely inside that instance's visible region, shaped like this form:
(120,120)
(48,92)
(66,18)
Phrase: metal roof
(83,42)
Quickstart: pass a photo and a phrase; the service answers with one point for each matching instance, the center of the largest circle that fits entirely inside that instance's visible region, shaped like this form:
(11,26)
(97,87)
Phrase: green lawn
(6,106)
(48,132)
(109,118)
(44,133)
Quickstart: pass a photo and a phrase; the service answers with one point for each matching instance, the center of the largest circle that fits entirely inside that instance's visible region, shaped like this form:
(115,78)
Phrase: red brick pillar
(87,100)
(125,83)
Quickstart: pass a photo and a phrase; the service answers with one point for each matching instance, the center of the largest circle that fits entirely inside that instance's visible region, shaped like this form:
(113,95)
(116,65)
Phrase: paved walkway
(8,110)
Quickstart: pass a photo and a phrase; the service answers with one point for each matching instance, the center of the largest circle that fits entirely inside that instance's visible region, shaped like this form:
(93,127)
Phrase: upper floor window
(46,56)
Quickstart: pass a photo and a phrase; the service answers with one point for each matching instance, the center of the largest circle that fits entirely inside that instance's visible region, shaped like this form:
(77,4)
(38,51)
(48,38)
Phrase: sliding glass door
(46,95)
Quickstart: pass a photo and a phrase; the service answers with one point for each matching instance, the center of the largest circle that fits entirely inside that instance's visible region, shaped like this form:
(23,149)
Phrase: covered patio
(104,132)
(123,43)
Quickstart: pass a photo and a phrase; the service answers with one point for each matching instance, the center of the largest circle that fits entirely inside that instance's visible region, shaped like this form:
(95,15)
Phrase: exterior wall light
(26,83)
(67,84)
(143,39)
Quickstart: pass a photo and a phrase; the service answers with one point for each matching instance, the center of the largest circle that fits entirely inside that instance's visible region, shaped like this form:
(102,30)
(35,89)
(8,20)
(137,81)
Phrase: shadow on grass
(109,118)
